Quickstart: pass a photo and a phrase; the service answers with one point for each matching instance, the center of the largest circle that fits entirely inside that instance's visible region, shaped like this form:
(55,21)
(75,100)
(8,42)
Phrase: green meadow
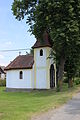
(22,105)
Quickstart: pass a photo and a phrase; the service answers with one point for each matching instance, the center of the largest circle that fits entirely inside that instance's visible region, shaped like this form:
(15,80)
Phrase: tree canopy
(60,18)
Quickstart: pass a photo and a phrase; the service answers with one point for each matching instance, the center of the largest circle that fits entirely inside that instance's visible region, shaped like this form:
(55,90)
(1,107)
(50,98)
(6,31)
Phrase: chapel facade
(32,71)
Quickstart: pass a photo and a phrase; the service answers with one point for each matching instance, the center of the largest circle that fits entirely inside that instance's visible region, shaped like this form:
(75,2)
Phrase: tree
(60,18)
(72,65)
(31,51)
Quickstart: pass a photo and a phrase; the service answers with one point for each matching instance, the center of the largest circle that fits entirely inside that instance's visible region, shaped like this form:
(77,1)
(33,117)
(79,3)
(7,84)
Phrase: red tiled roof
(46,42)
(21,62)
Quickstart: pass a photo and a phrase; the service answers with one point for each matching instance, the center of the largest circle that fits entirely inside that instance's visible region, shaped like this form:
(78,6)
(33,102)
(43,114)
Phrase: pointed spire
(46,42)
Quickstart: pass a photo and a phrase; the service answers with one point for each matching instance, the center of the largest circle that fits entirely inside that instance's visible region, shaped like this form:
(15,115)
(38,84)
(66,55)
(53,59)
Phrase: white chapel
(32,71)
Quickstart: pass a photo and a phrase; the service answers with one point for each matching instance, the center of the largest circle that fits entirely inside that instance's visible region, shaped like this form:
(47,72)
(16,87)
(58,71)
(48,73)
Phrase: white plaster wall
(33,77)
(41,60)
(13,81)
(41,82)
(42,66)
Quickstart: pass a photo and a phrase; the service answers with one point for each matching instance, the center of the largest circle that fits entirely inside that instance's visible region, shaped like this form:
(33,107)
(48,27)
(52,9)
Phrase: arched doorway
(52,81)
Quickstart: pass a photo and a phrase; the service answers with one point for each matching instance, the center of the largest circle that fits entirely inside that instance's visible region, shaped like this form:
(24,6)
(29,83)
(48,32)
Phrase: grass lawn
(20,106)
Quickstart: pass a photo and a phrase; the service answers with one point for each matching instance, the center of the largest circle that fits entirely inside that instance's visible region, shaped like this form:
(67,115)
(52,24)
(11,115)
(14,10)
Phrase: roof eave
(41,46)
(18,68)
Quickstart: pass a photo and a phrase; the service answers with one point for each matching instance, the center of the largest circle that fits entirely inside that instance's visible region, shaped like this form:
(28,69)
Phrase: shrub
(65,80)
(77,81)
(2,82)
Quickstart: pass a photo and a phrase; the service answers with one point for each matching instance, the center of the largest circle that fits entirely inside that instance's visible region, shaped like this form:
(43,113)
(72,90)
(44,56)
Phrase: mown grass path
(69,111)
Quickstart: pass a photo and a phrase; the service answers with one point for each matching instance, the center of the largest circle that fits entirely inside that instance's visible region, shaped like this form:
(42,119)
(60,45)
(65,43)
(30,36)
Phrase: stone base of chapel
(22,89)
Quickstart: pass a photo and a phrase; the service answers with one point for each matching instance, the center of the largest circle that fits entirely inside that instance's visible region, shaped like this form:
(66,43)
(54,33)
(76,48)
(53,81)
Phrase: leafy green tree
(78,69)
(72,65)
(60,18)
(31,51)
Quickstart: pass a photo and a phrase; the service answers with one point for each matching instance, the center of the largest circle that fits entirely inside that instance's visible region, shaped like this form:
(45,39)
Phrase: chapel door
(52,81)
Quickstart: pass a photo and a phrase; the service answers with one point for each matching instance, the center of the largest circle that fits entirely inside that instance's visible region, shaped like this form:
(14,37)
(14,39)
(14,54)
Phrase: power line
(14,50)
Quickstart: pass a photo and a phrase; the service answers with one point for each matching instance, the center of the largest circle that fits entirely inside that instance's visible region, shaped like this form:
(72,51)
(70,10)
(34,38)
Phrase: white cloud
(5,44)
(8,43)
(1,56)
(3,64)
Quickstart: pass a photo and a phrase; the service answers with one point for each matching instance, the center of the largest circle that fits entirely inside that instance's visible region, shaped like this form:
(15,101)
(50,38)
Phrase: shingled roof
(46,42)
(21,62)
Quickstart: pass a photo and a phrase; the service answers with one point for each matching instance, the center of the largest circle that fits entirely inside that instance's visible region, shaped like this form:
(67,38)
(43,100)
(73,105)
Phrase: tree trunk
(60,73)
(70,83)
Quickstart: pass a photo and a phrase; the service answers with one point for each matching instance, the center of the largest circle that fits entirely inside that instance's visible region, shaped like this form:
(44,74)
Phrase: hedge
(2,82)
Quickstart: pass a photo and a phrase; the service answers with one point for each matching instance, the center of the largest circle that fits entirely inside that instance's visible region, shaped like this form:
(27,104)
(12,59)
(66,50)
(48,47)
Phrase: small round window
(41,52)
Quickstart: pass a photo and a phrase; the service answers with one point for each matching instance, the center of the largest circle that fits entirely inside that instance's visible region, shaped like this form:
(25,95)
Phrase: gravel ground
(70,111)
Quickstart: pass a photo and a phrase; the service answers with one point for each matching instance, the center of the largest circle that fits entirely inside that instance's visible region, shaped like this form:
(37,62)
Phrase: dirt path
(70,111)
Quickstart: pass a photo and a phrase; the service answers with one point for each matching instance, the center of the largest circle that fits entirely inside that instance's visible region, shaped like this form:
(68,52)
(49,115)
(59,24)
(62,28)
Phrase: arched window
(21,75)
(41,52)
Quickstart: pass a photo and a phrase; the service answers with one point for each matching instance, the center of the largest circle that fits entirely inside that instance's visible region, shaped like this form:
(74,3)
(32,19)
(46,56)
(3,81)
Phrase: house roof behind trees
(2,69)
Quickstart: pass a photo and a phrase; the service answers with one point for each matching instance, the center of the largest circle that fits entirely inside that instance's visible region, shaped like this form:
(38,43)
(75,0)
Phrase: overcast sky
(13,34)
